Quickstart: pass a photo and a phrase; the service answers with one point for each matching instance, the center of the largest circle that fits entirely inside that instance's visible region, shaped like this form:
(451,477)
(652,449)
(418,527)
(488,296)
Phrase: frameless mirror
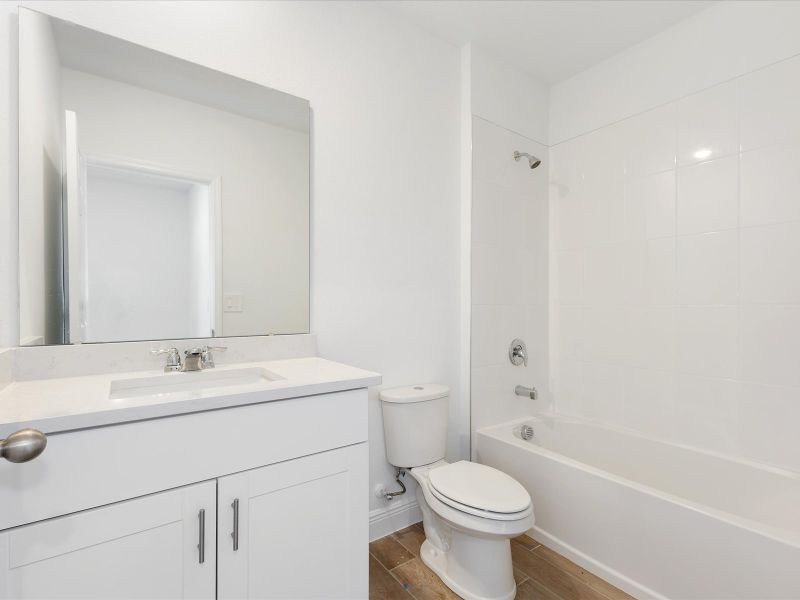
(158,199)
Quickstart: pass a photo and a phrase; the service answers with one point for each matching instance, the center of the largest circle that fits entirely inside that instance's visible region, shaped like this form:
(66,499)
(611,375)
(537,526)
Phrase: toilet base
(470,574)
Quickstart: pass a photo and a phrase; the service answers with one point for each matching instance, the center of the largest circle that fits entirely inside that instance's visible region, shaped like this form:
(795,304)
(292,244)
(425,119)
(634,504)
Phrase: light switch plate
(232,302)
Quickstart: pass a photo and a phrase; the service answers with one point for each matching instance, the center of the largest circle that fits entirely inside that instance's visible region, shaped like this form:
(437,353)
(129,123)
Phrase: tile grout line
(400,583)
(569,575)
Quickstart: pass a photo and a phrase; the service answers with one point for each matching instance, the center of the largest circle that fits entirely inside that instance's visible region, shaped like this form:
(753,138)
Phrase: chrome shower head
(533,162)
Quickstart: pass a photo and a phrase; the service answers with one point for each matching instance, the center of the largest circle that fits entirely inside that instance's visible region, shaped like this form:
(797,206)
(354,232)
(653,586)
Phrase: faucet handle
(208,358)
(173,358)
(518,352)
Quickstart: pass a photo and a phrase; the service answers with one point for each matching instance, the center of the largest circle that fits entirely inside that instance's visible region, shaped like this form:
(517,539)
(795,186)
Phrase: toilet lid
(479,486)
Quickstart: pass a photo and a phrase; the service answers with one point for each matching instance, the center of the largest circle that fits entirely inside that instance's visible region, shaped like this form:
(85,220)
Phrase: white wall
(510,226)
(385,151)
(40,161)
(677,237)
(724,41)
(264,175)
(507,96)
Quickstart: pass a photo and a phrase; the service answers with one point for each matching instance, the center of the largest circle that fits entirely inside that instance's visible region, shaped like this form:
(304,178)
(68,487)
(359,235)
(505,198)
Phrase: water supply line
(389,496)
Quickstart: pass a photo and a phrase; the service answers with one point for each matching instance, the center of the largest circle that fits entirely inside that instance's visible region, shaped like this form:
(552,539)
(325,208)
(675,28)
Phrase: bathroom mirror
(158,199)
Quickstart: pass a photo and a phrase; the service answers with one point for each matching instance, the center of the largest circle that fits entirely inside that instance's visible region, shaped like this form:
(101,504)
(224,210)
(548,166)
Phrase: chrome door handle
(23,445)
(235,532)
(201,546)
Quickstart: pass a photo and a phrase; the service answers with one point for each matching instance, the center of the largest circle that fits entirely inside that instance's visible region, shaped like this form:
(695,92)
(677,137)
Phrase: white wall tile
(768,424)
(771,344)
(770,181)
(651,141)
(608,273)
(485,335)
(650,401)
(770,263)
(660,271)
(569,335)
(708,340)
(485,274)
(487,210)
(567,385)
(650,338)
(768,105)
(510,274)
(708,124)
(708,196)
(567,207)
(687,306)
(650,205)
(600,387)
(708,412)
(605,336)
(604,209)
(708,267)
(568,276)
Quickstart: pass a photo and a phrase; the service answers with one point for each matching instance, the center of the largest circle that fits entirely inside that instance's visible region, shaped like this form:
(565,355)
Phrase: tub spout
(521,390)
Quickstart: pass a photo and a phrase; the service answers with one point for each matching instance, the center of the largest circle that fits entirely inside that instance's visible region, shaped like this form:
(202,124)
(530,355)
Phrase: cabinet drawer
(91,467)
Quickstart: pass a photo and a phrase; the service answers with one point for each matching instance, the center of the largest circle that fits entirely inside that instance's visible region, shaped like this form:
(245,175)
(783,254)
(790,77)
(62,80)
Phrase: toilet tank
(415,424)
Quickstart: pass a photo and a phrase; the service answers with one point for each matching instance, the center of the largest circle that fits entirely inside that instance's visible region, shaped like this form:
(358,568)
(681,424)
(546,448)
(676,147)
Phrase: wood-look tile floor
(397,573)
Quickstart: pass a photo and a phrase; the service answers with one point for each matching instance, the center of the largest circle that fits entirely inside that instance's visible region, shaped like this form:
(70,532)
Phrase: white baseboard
(393,517)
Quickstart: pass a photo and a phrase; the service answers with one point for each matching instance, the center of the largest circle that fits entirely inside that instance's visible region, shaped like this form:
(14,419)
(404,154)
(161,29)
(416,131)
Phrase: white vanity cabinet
(148,547)
(287,530)
(146,509)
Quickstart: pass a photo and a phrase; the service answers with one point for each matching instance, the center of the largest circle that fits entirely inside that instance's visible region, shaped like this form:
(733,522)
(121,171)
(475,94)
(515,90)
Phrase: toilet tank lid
(415,393)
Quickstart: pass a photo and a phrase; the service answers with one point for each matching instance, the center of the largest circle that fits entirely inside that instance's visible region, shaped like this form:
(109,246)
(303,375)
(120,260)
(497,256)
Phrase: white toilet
(470,511)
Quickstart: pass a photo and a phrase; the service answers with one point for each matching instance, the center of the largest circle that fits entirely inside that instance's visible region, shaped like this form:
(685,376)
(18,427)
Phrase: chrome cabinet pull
(23,445)
(235,533)
(201,546)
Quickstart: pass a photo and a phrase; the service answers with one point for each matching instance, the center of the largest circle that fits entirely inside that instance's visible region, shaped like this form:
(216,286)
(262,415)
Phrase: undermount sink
(193,381)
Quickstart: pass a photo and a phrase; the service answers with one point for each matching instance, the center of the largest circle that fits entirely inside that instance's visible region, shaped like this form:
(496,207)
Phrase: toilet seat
(479,490)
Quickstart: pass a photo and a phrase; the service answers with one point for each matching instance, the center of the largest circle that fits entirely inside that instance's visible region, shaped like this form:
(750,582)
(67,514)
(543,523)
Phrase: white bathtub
(656,519)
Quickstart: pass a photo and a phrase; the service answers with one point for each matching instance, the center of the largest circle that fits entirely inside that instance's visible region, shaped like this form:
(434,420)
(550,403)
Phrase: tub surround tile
(768,261)
(708,269)
(769,182)
(708,196)
(768,101)
(708,124)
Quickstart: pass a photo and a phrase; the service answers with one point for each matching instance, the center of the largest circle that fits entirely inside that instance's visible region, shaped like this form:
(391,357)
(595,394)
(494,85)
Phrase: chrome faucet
(198,359)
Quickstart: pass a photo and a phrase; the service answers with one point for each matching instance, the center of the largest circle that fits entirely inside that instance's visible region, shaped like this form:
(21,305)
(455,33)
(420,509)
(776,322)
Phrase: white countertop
(67,403)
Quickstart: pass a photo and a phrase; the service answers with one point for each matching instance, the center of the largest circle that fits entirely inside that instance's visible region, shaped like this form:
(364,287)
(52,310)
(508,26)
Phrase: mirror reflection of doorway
(148,263)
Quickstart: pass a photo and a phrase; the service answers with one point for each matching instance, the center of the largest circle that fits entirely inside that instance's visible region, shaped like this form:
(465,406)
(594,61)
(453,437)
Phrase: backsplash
(47,362)
(676,296)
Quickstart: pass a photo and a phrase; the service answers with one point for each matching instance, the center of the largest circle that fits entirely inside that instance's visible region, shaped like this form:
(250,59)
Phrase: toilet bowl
(470,511)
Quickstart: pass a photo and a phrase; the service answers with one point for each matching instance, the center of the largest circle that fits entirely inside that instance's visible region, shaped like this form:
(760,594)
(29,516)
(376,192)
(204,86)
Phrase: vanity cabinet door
(296,529)
(147,547)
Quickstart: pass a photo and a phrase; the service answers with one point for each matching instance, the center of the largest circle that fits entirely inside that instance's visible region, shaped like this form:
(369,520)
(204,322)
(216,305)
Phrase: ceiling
(551,40)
